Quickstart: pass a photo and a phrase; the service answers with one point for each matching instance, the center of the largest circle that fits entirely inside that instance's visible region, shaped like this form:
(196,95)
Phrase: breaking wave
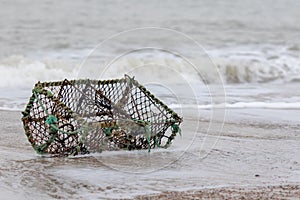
(23,72)
(238,66)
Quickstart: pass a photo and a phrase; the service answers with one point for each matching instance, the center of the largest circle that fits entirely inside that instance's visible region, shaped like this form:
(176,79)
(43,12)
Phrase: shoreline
(284,191)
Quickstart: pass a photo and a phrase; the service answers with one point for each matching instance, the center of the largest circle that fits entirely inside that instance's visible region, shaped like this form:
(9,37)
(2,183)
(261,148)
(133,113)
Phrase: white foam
(270,105)
(237,65)
(273,105)
(6,108)
(257,64)
(21,72)
(253,64)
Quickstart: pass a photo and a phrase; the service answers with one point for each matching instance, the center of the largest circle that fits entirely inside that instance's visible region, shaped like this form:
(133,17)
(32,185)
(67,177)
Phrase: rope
(39,101)
(176,129)
(52,121)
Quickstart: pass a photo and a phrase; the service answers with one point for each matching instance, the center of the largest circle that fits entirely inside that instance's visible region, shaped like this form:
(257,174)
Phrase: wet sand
(255,157)
(266,192)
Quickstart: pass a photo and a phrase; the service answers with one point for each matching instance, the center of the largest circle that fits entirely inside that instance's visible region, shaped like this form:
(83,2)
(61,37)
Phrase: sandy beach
(241,165)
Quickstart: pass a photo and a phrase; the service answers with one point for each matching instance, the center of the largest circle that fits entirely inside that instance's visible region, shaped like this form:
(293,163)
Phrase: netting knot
(176,129)
(38,89)
(51,121)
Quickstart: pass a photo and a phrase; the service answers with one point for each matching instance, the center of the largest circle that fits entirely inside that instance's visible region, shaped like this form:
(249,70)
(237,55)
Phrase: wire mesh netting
(83,116)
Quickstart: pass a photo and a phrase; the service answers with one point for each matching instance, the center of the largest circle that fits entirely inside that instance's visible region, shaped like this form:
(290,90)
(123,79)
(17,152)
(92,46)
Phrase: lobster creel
(83,116)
